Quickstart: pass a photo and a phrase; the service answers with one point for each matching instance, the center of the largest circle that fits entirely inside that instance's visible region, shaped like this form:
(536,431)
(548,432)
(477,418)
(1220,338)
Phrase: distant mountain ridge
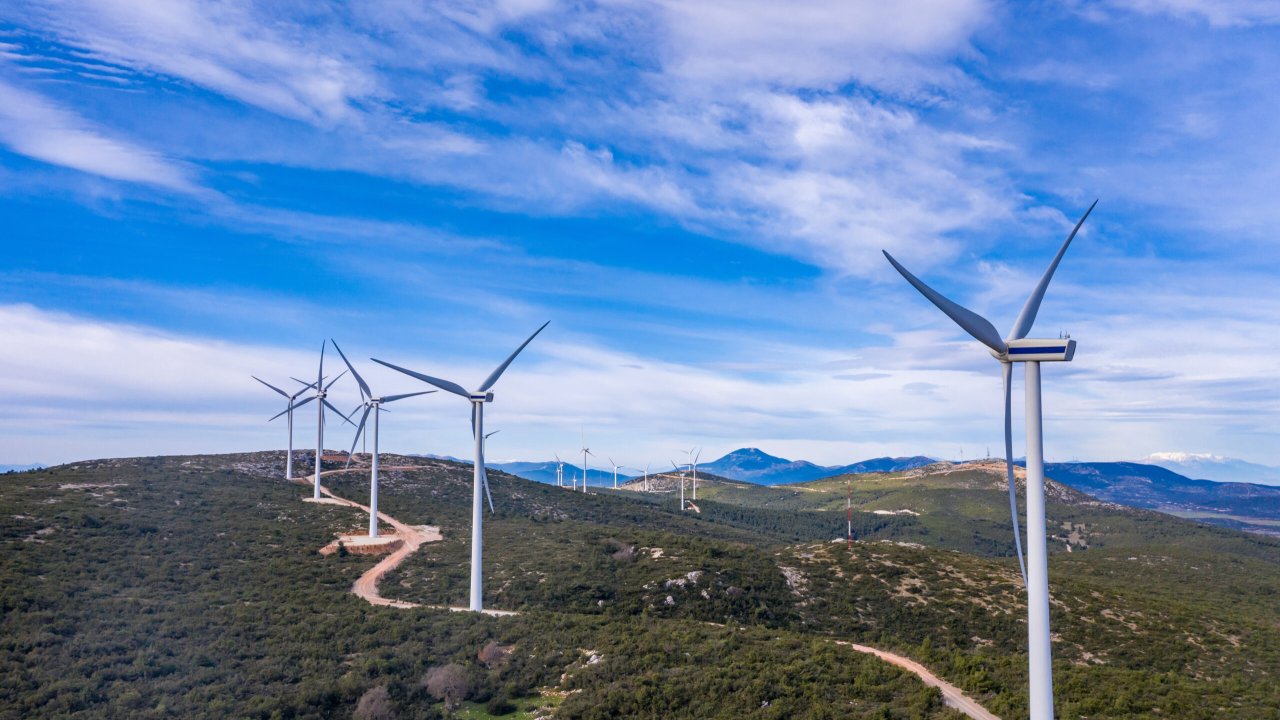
(755,465)
(1240,505)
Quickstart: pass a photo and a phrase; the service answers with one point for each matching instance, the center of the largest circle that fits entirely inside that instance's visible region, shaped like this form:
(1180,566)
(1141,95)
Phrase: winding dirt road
(411,536)
(952,696)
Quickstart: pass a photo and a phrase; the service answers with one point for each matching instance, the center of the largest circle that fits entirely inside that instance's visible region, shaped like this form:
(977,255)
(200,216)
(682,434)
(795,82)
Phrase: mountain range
(1214,467)
(745,464)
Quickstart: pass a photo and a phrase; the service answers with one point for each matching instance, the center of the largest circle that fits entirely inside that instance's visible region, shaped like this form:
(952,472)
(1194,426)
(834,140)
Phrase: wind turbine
(322,392)
(374,405)
(477,399)
(693,465)
(615,473)
(1031,352)
(288,410)
(585,453)
(559,471)
(646,476)
(681,474)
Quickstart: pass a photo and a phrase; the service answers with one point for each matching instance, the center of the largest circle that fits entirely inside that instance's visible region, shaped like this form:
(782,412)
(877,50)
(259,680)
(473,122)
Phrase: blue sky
(694,193)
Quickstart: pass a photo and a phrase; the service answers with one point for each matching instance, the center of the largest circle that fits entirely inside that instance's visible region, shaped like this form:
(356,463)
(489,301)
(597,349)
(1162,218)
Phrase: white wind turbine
(693,466)
(288,410)
(585,453)
(480,481)
(1017,348)
(615,473)
(559,471)
(322,392)
(681,474)
(374,405)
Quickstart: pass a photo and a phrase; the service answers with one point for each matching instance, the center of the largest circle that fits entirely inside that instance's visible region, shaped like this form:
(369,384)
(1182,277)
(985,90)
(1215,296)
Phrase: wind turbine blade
(331,382)
(364,387)
(273,387)
(484,476)
(331,407)
(454,388)
(497,373)
(359,429)
(320,372)
(489,435)
(588,452)
(305,385)
(971,322)
(1027,317)
(1007,371)
(393,398)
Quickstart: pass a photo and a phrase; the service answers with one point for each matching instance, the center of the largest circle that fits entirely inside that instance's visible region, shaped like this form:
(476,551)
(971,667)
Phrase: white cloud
(35,127)
(1217,13)
(228,47)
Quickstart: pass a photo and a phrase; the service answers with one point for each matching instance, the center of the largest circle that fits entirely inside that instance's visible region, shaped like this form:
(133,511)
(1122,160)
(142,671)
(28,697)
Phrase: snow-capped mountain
(1214,467)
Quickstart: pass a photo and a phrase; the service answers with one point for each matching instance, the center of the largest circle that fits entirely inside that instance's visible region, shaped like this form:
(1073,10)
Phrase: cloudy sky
(694,193)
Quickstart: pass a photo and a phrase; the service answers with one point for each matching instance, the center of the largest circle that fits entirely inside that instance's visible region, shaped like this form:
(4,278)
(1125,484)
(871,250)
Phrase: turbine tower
(1030,352)
(322,392)
(615,473)
(477,399)
(288,410)
(374,405)
(681,474)
(559,471)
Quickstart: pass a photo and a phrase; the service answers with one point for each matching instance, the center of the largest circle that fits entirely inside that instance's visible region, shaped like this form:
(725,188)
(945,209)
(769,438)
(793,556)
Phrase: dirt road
(952,696)
(411,536)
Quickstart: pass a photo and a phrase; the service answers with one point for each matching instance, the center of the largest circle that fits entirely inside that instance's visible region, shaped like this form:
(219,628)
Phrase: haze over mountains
(1214,467)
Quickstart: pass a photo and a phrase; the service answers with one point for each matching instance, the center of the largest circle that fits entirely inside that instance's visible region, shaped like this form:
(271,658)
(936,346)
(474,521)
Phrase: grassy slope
(221,600)
(190,587)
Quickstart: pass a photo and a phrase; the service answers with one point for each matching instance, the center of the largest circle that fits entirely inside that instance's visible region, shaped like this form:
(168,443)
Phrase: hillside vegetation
(191,587)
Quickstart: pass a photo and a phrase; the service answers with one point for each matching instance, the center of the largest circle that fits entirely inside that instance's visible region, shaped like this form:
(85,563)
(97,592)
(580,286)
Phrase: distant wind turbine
(322,392)
(615,473)
(681,474)
(1017,348)
(374,405)
(559,471)
(288,410)
(480,481)
(585,453)
(693,466)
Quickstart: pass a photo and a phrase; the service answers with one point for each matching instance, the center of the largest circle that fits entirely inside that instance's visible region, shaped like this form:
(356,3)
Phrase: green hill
(191,587)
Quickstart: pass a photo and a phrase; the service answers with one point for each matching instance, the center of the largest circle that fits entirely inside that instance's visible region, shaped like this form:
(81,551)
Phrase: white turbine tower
(374,405)
(322,392)
(290,405)
(1017,348)
(681,474)
(559,471)
(480,481)
(615,473)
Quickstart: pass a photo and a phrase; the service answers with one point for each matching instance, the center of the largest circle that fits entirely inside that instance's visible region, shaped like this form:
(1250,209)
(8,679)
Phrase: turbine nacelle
(1034,350)
(481,397)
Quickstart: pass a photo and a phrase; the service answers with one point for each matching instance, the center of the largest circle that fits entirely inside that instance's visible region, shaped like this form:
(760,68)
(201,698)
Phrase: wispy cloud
(33,126)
